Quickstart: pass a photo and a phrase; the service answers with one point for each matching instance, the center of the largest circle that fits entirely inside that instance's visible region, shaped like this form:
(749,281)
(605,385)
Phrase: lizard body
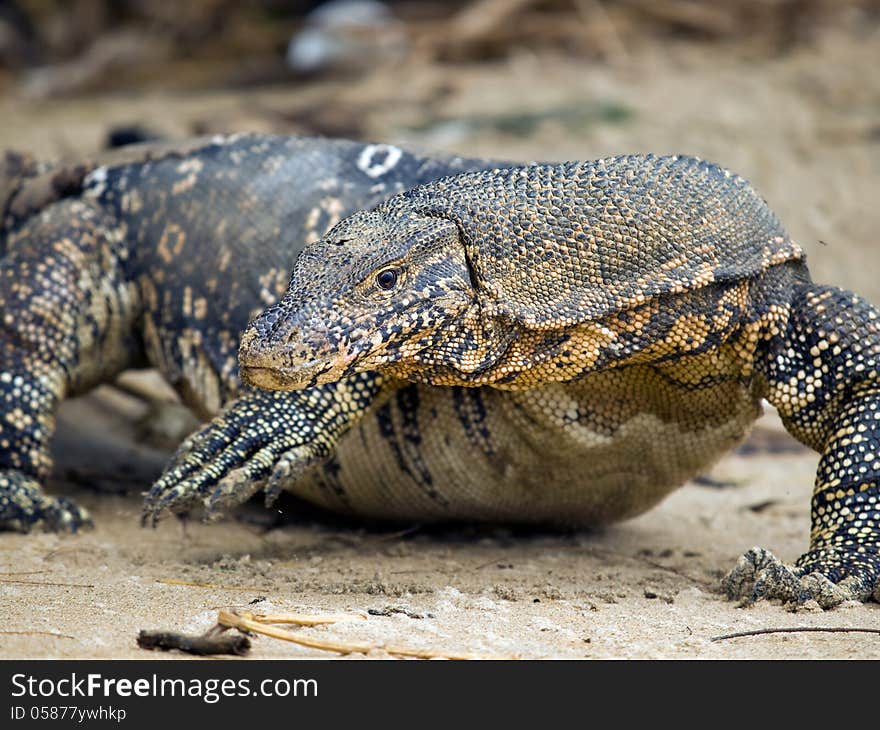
(620,322)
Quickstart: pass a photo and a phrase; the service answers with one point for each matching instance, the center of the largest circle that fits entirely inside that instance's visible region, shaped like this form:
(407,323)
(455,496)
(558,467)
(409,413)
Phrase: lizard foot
(25,507)
(828,577)
(256,443)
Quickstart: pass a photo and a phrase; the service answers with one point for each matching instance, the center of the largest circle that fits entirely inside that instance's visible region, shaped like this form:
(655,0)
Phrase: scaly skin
(618,323)
(159,255)
(553,408)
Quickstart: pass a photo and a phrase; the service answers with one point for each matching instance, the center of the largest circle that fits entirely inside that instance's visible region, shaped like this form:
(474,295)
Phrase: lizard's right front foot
(25,507)
(261,441)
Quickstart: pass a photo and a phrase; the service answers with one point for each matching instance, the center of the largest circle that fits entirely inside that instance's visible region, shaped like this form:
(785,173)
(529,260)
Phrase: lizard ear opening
(459,220)
(483,333)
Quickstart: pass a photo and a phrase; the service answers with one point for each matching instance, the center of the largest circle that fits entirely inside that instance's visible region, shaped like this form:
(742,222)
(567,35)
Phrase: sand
(645,588)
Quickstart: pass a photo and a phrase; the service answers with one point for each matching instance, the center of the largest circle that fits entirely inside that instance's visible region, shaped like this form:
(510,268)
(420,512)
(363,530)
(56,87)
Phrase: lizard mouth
(294,358)
(283,365)
(271,365)
(307,375)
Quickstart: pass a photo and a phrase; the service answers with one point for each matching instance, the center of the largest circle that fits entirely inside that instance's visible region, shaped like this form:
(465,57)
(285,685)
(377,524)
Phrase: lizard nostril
(291,336)
(270,321)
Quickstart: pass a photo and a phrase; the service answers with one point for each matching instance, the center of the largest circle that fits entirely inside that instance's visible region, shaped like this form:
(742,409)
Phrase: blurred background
(786,92)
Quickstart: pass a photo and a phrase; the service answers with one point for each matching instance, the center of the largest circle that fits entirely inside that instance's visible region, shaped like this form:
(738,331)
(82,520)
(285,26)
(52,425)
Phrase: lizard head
(376,293)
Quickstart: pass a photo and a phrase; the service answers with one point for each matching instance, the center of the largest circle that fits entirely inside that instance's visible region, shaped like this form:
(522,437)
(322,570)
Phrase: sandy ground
(803,128)
(646,588)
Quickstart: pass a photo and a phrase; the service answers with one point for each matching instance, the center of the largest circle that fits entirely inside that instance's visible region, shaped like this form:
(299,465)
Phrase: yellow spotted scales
(558,344)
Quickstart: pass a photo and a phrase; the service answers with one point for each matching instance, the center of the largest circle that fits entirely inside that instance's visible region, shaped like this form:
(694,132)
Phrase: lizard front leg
(263,440)
(67,315)
(825,380)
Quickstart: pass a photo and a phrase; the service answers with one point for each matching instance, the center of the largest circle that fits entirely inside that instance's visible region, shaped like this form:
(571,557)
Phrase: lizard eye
(387,279)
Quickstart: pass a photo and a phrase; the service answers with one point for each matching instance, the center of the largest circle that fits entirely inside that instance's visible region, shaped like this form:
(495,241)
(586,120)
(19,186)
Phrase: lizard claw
(24,506)
(269,469)
(829,578)
(283,467)
(199,463)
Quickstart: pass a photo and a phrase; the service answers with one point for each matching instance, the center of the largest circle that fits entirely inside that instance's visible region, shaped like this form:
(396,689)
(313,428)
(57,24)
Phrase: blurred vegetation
(63,47)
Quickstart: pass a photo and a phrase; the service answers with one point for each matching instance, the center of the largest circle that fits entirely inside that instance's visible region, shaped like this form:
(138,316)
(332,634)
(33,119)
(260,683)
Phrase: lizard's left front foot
(826,576)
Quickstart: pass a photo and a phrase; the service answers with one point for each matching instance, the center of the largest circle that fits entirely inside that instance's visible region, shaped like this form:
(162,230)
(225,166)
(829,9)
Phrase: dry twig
(22,572)
(213,641)
(300,619)
(230,619)
(46,583)
(797,630)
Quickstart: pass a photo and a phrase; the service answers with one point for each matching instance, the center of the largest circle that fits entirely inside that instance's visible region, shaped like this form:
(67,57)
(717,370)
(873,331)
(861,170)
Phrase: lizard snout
(257,361)
(275,354)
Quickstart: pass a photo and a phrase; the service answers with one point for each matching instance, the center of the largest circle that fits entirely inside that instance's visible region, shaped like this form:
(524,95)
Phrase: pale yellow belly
(595,451)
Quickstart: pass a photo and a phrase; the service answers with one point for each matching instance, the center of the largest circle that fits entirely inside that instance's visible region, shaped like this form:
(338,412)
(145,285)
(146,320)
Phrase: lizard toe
(818,576)
(25,507)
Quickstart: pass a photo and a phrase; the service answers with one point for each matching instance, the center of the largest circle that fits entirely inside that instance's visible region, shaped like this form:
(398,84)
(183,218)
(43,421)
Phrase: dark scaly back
(557,245)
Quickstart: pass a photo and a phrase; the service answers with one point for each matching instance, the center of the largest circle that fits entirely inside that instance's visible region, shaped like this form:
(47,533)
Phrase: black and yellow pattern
(158,256)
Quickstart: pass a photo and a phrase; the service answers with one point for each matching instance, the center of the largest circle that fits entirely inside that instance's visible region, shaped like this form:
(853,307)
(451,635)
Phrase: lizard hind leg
(824,378)
(66,318)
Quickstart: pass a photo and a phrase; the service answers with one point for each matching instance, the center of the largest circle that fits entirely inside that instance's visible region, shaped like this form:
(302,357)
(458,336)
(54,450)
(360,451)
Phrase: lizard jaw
(266,378)
(295,377)
(272,369)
